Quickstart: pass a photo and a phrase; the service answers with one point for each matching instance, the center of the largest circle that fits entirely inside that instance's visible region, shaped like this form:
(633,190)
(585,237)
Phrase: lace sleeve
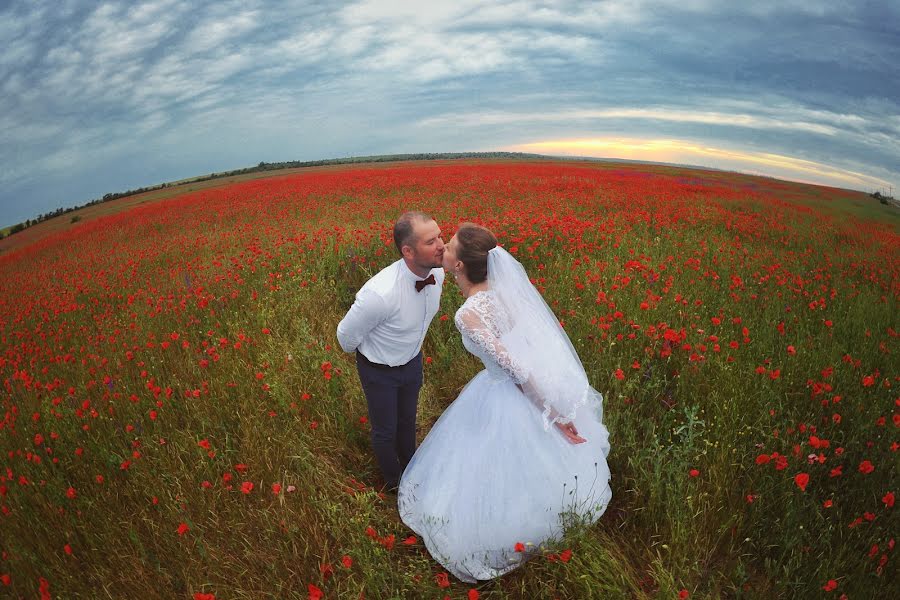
(476,326)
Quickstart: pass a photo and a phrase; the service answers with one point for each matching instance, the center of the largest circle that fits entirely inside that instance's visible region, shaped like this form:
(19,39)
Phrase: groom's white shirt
(389,318)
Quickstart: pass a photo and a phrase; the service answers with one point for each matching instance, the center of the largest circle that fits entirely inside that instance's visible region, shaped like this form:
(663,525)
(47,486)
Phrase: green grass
(271,272)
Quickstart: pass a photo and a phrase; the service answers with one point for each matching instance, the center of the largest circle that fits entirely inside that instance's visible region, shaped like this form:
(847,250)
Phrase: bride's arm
(471,324)
(568,429)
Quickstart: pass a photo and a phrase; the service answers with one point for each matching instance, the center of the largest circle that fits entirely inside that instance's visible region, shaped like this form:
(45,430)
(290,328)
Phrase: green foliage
(257,295)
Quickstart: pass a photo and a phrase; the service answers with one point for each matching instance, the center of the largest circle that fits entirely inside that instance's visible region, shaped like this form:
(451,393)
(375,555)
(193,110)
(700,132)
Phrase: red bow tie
(420,285)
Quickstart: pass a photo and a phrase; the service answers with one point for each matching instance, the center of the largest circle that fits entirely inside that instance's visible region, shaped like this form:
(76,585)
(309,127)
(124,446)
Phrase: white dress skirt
(489,476)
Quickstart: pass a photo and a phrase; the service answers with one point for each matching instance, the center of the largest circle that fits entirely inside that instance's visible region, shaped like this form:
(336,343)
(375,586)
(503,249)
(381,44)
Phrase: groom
(386,326)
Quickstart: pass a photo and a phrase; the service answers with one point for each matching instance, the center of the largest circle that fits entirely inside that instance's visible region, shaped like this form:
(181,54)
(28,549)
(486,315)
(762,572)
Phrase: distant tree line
(265,166)
(883,198)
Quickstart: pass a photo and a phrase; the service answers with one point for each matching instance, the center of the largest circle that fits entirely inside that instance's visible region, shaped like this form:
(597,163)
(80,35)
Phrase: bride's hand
(568,430)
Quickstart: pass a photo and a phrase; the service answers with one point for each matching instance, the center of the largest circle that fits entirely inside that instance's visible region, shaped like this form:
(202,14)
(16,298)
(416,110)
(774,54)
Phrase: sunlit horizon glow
(689,153)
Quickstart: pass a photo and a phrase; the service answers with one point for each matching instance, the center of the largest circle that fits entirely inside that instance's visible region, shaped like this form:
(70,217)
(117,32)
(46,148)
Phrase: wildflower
(802,480)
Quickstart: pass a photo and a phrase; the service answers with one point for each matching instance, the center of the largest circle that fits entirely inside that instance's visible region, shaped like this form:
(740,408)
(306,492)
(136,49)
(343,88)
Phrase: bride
(523,447)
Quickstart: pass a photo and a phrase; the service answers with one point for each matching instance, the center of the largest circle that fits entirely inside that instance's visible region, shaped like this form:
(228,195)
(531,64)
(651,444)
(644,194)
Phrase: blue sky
(104,97)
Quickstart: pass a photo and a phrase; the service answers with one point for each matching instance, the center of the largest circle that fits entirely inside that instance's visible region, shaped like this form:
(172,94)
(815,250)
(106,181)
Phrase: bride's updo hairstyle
(475,242)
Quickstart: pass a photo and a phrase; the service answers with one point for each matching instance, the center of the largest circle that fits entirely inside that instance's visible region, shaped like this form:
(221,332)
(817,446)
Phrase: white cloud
(769,114)
(652,113)
(216,33)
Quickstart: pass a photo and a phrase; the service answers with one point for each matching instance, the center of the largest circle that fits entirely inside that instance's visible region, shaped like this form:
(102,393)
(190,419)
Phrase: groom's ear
(407,252)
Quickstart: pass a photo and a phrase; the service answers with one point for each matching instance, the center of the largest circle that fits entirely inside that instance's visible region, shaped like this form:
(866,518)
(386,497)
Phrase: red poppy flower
(888,499)
(442,579)
(802,480)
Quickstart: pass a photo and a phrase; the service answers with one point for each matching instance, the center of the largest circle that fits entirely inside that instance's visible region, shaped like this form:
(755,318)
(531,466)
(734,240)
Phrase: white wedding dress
(492,473)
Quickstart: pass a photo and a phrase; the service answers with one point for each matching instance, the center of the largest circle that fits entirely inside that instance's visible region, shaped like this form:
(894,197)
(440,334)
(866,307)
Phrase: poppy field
(178,421)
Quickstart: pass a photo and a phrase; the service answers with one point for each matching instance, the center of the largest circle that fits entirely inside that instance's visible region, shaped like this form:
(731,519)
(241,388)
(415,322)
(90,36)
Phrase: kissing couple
(522,448)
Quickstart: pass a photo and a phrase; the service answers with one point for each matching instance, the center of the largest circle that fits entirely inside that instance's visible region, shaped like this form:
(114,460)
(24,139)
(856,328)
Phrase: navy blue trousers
(392,394)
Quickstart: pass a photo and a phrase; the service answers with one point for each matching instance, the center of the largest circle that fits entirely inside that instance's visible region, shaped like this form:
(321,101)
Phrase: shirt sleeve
(471,324)
(367,312)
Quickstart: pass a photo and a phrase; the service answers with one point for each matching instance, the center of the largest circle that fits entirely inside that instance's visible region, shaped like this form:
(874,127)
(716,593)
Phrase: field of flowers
(178,421)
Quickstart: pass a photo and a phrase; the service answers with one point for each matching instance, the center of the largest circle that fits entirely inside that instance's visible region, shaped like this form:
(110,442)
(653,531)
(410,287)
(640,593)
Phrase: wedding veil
(557,382)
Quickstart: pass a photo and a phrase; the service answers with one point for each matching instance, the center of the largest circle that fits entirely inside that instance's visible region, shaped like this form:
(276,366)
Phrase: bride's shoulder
(475,305)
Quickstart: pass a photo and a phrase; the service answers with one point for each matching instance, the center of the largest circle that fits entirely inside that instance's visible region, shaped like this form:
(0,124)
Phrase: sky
(105,97)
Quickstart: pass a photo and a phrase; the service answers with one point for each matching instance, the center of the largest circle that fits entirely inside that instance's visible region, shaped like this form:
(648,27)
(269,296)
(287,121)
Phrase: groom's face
(427,250)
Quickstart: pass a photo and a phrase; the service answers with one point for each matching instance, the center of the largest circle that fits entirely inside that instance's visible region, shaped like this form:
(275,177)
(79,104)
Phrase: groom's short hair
(403,228)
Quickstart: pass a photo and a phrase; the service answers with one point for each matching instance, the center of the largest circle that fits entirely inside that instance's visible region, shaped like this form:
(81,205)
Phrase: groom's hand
(570,433)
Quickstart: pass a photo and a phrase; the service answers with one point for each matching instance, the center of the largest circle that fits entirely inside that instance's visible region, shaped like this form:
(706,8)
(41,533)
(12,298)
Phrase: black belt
(376,365)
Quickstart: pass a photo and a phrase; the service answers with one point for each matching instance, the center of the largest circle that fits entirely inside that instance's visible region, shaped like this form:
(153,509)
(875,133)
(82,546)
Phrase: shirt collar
(408,274)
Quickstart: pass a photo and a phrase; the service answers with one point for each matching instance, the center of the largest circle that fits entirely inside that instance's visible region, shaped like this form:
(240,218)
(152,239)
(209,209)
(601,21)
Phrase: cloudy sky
(104,97)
